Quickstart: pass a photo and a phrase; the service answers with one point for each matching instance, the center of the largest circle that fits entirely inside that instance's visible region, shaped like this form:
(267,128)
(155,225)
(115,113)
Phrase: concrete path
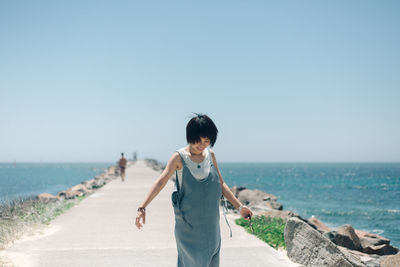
(100,231)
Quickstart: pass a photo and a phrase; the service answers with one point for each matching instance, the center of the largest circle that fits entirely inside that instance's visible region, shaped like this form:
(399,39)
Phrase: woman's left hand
(246,213)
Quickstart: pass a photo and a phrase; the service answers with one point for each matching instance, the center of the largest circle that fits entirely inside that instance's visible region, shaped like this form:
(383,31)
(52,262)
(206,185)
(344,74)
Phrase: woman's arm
(226,191)
(157,186)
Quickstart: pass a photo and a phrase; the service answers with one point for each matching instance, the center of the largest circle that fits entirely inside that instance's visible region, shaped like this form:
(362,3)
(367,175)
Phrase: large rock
(46,198)
(69,194)
(375,244)
(345,236)
(89,184)
(99,182)
(366,259)
(367,238)
(391,261)
(81,188)
(384,249)
(306,245)
(112,170)
(75,191)
(317,224)
(284,214)
(255,198)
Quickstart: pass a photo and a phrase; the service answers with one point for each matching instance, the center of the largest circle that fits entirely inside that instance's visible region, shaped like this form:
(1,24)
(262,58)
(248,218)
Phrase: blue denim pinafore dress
(197,229)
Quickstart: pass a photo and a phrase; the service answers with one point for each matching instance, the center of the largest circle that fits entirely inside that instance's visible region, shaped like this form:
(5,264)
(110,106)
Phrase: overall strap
(225,209)
(176,172)
(179,190)
(177,180)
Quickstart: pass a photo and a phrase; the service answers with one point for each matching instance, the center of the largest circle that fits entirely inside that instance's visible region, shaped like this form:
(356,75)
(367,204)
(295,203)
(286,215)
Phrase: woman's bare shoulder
(176,160)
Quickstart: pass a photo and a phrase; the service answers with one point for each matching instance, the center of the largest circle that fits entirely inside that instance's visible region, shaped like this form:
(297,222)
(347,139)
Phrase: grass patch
(268,229)
(25,216)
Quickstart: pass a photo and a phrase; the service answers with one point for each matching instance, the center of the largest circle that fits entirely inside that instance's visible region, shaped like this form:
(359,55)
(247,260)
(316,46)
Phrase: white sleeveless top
(198,173)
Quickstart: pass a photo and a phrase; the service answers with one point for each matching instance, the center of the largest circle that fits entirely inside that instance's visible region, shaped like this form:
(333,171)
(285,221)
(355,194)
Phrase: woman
(198,189)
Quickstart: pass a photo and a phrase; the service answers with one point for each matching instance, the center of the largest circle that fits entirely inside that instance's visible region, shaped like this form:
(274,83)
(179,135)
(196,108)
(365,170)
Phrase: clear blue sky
(283,80)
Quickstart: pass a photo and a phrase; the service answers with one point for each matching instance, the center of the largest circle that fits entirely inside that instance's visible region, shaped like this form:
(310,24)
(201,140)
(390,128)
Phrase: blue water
(30,179)
(365,195)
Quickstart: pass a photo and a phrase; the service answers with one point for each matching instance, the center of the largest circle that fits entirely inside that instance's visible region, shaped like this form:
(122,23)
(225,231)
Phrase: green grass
(268,229)
(25,216)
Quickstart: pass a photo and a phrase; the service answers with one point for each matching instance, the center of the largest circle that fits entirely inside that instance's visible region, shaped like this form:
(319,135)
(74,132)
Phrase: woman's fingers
(138,224)
(246,213)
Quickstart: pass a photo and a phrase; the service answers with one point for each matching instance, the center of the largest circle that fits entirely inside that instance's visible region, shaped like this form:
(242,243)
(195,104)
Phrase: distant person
(122,166)
(198,189)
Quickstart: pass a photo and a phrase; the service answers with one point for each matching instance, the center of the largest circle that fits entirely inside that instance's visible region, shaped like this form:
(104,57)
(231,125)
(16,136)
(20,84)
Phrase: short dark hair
(122,154)
(201,126)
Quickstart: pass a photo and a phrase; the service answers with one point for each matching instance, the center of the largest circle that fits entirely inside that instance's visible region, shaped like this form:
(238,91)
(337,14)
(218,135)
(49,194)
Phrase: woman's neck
(194,152)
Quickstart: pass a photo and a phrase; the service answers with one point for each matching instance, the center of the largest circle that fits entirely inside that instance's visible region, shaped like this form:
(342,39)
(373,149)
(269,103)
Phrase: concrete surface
(100,231)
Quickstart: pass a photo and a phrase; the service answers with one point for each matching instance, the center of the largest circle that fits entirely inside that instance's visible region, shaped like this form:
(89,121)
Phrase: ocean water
(30,179)
(365,195)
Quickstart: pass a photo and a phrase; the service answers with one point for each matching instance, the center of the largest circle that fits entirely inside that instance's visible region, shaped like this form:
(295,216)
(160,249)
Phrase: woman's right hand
(140,215)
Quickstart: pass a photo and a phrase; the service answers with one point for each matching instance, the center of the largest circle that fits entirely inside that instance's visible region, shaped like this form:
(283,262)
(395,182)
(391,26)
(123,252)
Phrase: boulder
(367,238)
(89,184)
(99,182)
(284,214)
(317,224)
(366,259)
(69,194)
(375,244)
(391,261)
(46,198)
(305,245)
(255,198)
(345,236)
(111,171)
(384,249)
(80,188)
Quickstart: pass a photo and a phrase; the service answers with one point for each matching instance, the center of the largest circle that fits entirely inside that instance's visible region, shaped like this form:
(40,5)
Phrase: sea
(365,195)
(25,180)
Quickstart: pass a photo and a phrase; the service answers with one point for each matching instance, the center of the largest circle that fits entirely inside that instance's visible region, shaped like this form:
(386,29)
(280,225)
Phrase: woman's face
(200,146)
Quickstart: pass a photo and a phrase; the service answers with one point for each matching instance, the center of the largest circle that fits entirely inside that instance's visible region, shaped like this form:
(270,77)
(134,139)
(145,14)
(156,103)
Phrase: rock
(111,170)
(75,191)
(371,239)
(366,259)
(236,189)
(46,198)
(384,249)
(89,184)
(375,244)
(68,194)
(391,261)
(305,245)
(317,224)
(284,214)
(345,236)
(80,188)
(99,182)
(255,198)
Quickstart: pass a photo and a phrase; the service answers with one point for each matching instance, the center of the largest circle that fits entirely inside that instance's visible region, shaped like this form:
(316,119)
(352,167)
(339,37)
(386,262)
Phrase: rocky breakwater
(82,189)
(312,243)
